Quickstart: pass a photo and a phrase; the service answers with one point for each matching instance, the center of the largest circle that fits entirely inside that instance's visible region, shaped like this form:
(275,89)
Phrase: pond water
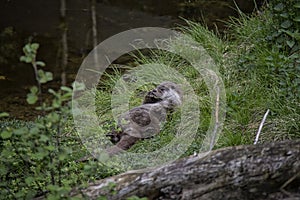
(41,21)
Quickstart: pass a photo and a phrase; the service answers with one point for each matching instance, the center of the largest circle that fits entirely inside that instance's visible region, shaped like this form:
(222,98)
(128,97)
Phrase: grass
(257,83)
(251,68)
(257,76)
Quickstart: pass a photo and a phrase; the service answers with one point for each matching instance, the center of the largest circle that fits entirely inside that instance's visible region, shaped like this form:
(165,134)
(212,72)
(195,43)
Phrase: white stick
(261,125)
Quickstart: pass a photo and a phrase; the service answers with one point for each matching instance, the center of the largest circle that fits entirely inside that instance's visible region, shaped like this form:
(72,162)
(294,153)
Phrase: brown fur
(145,121)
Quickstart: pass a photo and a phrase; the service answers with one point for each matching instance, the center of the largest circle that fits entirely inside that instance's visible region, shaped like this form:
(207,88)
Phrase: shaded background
(40,21)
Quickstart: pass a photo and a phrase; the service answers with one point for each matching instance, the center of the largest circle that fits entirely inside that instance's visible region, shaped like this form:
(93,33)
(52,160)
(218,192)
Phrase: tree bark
(264,171)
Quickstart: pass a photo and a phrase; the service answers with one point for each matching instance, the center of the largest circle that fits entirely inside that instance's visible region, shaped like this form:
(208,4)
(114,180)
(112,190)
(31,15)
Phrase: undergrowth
(258,60)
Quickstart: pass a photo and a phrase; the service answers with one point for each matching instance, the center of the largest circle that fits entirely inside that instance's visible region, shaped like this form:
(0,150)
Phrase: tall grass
(253,70)
(260,80)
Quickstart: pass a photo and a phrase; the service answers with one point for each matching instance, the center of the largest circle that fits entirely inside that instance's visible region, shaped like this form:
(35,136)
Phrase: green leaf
(40,63)
(34,46)
(53,117)
(27,49)
(6,134)
(279,7)
(67,89)
(290,43)
(53,187)
(87,167)
(284,15)
(28,59)
(39,155)
(7,153)
(297,5)
(44,138)
(29,180)
(51,91)
(62,156)
(34,131)
(56,103)
(30,194)
(3,171)
(44,77)
(4,114)
(66,97)
(23,58)
(21,131)
(49,76)
(286,24)
(34,90)
(297,19)
(31,98)
(50,148)
(292,34)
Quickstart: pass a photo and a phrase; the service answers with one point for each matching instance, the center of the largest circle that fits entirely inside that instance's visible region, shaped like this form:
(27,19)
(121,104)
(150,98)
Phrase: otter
(145,121)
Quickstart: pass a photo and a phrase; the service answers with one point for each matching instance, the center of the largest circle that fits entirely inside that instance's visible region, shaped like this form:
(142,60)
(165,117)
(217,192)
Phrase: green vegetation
(258,59)
(263,72)
(39,158)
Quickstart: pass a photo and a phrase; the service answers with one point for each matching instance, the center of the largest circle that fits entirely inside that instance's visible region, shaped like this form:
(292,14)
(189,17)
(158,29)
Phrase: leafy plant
(39,158)
(286,36)
(287,24)
(260,68)
(258,73)
(264,73)
(30,51)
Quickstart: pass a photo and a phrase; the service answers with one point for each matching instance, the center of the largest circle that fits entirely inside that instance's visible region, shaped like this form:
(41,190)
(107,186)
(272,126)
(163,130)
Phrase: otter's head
(167,93)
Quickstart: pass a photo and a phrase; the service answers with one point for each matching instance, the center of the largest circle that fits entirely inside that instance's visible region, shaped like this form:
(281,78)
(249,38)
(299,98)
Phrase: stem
(33,63)
(36,75)
(52,173)
(58,135)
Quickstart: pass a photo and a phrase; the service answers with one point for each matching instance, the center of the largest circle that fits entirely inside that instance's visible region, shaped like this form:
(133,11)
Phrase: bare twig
(261,125)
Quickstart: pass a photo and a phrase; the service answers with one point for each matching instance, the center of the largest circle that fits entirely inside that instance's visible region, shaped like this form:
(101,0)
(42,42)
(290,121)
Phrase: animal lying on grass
(146,120)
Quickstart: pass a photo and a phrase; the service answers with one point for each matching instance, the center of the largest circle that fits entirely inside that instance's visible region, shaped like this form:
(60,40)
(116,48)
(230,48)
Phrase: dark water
(40,21)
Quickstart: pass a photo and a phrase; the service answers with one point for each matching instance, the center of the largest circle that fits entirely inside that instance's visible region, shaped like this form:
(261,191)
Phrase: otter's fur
(145,121)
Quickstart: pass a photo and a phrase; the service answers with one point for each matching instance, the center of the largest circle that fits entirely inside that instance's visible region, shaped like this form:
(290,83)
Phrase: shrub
(39,158)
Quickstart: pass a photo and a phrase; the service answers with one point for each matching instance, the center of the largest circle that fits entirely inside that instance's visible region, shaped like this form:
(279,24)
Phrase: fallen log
(264,171)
